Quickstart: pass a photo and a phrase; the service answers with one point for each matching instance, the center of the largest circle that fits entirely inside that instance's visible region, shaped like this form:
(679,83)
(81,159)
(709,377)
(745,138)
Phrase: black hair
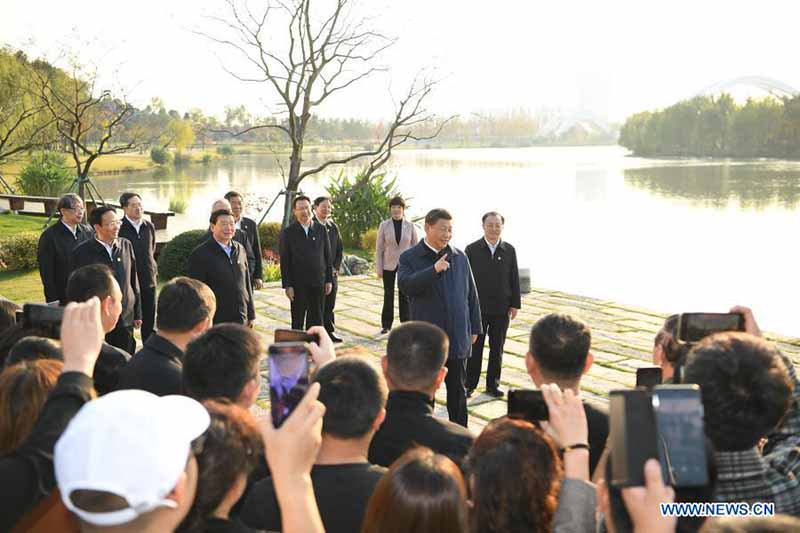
(493,214)
(90,280)
(435,215)
(220,213)
(675,352)
(299,198)
(8,313)
(221,361)
(183,303)
(353,394)
(32,348)
(232,194)
(560,345)
(745,386)
(416,352)
(126,197)
(68,201)
(96,216)
(397,200)
(319,199)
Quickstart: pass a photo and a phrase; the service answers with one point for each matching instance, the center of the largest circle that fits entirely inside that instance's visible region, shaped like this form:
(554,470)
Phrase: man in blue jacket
(437,279)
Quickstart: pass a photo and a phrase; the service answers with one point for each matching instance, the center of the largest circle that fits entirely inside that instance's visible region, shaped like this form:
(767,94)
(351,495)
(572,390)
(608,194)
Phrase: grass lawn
(11,224)
(21,287)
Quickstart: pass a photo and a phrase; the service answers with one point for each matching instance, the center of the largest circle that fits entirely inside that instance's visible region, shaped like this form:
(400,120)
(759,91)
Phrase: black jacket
(497,278)
(228,278)
(241,237)
(107,368)
(597,420)
(27,473)
(335,240)
(124,268)
(156,368)
(56,244)
(305,261)
(409,422)
(144,246)
(250,230)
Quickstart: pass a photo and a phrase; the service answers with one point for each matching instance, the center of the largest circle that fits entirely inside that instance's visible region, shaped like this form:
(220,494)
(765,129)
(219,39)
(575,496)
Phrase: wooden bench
(17,203)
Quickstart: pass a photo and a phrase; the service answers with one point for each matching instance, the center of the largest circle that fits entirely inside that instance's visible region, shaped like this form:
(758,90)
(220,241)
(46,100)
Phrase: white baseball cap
(130,443)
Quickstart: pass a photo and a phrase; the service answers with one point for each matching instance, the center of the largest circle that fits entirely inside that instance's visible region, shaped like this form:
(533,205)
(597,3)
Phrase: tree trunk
(293,183)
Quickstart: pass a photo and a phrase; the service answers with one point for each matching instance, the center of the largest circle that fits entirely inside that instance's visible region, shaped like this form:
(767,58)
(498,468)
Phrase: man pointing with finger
(438,281)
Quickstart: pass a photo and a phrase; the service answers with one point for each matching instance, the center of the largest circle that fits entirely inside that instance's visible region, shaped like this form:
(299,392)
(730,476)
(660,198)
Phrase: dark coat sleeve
(27,473)
(516,295)
(137,293)
(258,271)
(338,251)
(412,281)
(285,252)
(328,256)
(195,266)
(46,254)
(248,286)
(476,326)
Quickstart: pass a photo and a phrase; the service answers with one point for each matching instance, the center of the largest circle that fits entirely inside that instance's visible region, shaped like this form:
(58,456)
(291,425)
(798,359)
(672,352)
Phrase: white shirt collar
(136,225)
(228,248)
(429,246)
(70,228)
(108,248)
(238,224)
(492,248)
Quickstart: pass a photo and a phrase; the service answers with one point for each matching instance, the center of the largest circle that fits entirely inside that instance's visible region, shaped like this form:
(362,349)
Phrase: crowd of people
(94,439)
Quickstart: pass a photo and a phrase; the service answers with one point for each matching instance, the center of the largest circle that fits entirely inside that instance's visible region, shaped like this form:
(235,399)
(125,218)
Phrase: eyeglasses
(114,224)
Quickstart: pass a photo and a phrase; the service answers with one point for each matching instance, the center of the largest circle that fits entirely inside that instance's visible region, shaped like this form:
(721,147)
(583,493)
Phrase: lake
(669,235)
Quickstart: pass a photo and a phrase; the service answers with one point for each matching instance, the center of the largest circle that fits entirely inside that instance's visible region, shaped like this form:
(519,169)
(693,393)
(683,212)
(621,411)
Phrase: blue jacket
(448,299)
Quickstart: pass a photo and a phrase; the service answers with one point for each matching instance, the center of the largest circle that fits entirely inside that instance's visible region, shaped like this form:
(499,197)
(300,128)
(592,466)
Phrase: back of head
(32,348)
(183,303)
(221,361)
(560,345)
(745,386)
(422,492)
(232,445)
(24,388)
(8,314)
(667,337)
(779,523)
(517,475)
(10,337)
(90,280)
(353,394)
(415,352)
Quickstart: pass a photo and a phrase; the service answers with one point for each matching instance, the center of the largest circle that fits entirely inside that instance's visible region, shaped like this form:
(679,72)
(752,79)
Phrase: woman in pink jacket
(395,236)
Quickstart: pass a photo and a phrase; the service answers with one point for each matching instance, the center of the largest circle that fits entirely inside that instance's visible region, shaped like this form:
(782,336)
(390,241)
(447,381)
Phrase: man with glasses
(494,264)
(116,252)
(56,245)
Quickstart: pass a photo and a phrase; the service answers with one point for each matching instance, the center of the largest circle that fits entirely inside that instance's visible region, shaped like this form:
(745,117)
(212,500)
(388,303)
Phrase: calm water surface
(670,235)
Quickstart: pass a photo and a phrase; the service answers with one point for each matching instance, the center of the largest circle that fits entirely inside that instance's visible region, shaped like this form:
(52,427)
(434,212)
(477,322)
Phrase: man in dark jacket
(306,265)
(107,248)
(186,309)
(142,235)
(322,214)
(221,263)
(414,367)
(56,245)
(249,229)
(494,264)
(438,281)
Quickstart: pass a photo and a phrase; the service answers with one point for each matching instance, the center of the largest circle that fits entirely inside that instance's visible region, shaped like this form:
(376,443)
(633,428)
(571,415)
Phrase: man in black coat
(494,265)
(322,214)
(221,263)
(414,367)
(185,310)
(438,281)
(306,265)
(142,235)
(107,248)
(56,245)
(249,229)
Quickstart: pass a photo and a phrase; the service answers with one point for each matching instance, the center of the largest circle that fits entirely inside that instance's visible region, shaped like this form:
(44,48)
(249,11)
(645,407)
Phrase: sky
(612,58)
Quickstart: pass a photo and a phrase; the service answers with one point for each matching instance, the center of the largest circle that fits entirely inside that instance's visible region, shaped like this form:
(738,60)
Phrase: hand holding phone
(648,377)
(41,315)
(527,405)
(288,378)
(694,327)
(295,335)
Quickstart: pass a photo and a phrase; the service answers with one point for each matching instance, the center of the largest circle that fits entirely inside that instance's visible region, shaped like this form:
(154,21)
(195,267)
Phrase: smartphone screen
(295,335)
(648,377)
(694,327)
(41,314)
(288,378)
(527,405)
(681,437)
(632,436)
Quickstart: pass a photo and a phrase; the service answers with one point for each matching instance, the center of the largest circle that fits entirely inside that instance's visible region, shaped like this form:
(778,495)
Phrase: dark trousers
(495,326)
(330,302)
(456,393)
(122,337)
(148,299)
(307,307)
(387,316)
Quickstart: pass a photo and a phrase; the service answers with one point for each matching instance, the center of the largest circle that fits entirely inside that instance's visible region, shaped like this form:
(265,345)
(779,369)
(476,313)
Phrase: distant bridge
(769,85)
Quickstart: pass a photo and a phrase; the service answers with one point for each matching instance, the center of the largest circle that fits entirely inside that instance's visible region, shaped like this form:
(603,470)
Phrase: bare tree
(313,57)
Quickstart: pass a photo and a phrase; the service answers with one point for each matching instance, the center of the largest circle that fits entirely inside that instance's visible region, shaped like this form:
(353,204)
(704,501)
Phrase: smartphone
(648,377)
(694,327)
(295,335)
(632,436)
(288,378)
(41,314)
(527,405)
(678,411)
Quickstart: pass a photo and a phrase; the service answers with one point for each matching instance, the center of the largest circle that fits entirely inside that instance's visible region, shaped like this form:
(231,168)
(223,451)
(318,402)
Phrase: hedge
(368,240)
(19,252)
(269,232)
(172,259)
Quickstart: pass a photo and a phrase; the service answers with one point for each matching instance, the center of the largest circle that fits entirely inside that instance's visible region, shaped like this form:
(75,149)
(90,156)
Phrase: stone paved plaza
(622,338)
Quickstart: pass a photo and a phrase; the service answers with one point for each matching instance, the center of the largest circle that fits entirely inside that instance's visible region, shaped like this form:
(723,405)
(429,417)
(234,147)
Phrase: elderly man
(438,281)
(250,230)
(322,214)
(56,244)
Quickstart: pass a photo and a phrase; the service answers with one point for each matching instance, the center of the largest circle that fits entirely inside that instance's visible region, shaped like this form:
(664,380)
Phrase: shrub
(19,252)
(206,159)
(369,239)
(45,175)
(269,232)
(177,205)
(160,156)
(272,272)
(225,150)
(364,208)
(172,259)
